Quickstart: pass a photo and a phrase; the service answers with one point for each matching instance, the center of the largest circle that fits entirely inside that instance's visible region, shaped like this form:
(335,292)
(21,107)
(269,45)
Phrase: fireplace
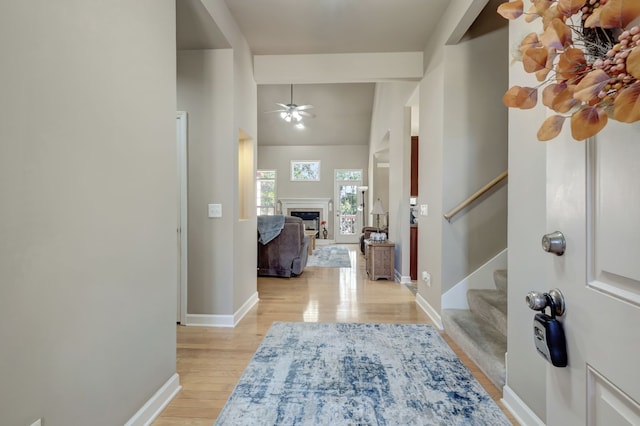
(311,220)
(317,206)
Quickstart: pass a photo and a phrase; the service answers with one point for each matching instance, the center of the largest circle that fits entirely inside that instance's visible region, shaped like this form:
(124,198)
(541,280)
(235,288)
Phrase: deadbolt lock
(554,243)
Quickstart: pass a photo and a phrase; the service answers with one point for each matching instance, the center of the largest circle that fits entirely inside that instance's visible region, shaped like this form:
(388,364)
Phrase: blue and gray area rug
(330,257)
(357,374)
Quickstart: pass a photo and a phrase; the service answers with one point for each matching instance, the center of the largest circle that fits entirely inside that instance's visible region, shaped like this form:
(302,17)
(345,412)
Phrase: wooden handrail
(479,193)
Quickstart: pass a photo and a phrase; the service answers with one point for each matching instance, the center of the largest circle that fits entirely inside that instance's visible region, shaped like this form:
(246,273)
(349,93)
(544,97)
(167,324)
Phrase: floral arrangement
(323,223)
(587,60)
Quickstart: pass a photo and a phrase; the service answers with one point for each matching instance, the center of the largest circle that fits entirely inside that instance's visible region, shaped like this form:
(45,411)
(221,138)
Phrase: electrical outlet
(424,209)
(426,277)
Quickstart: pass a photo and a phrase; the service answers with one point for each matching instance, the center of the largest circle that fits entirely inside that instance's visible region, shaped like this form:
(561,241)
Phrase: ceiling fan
(292,113)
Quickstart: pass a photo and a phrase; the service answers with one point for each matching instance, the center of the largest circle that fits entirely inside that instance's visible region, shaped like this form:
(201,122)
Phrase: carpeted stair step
(500,279)
(490,306)
(484,344)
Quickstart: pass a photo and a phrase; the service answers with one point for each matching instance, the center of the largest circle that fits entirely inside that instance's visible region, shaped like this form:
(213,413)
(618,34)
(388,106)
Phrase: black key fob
(548,335)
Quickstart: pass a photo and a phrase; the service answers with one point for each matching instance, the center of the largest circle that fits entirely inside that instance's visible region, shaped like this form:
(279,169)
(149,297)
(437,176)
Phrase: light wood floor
(211,360)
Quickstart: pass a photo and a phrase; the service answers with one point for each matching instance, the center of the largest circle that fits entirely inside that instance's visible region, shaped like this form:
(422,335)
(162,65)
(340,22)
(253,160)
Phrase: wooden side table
(312,241)
(380,259)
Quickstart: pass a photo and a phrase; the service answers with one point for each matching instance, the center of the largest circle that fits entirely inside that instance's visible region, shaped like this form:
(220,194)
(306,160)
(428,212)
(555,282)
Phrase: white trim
(306,203)
(519,409)
(181,116)
(481,278)
(245,308)
(154,406)
(404,279)
(428,309)
(207,320)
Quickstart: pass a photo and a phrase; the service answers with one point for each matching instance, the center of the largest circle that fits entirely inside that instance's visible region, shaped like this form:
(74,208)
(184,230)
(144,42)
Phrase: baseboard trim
(519,409)
(230,321)
(154,406)
(429,310)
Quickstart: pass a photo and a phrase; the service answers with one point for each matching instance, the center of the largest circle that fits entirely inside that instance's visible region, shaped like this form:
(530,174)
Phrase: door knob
(554,243)
(540,301)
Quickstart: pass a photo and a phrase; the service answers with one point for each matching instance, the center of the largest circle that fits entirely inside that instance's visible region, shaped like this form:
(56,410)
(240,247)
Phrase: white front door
(593,198)
(347,224)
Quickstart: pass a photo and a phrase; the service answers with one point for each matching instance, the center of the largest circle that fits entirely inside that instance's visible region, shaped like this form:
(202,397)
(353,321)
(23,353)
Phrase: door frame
(336,193)
(182,230)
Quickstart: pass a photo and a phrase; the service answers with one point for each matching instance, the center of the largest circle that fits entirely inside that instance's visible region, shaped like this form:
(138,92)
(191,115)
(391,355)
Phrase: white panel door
(593,197)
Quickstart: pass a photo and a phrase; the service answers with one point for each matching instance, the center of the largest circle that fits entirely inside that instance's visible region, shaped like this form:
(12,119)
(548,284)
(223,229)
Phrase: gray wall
(332,157)
(202,93)
(475,146)
(217,89)
(88,184)
(527,223)
(463,145)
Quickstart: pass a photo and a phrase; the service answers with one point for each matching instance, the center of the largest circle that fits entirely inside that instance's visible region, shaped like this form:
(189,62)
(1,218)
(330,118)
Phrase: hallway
(211,360)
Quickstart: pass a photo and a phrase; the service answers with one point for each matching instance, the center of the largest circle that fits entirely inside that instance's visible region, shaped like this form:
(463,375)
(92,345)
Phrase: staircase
(481,331)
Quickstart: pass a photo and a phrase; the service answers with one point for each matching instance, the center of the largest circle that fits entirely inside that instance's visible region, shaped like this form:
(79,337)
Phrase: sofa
(285,255)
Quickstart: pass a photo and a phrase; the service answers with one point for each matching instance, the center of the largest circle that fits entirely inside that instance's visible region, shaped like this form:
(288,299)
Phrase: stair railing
(479,193)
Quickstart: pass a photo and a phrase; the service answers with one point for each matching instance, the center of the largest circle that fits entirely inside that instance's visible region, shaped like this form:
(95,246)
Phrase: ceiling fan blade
(283,106)
(303,107)
(275,110)
(307,114)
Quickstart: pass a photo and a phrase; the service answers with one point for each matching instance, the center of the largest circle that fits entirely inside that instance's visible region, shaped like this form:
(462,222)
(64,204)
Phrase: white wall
(391,130)
(430,187)
(88,183)
(331,158)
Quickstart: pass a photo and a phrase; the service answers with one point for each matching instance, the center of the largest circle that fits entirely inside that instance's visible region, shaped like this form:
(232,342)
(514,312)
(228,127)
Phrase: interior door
(593,198)
(348,223)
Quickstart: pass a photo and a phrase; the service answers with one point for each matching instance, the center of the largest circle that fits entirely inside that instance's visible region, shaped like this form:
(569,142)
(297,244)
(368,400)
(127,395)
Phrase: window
(266,192)
(349,175)
(305,170)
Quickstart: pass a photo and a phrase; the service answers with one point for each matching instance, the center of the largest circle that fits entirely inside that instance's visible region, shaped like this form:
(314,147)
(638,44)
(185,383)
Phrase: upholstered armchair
(285,255)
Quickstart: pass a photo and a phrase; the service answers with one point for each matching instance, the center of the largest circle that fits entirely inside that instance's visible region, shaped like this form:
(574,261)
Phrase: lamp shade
(377,208)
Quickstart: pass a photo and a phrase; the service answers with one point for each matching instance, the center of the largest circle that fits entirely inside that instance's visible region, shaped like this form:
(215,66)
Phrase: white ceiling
(343,111)
(276,27)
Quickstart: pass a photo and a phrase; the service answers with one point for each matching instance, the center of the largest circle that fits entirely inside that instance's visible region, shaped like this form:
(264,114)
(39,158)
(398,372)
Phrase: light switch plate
(215,210)
(424,209)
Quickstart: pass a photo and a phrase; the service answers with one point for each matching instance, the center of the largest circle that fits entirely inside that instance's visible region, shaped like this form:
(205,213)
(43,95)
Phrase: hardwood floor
(211,360)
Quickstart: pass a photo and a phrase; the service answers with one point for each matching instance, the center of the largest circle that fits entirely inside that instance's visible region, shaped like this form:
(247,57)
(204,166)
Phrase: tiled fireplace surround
(320,205)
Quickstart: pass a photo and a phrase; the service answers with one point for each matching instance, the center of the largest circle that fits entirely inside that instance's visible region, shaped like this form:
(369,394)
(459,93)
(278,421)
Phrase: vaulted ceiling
(277,27)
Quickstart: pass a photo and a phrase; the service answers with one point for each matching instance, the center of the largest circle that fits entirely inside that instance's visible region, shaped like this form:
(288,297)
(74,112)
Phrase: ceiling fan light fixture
(293,113)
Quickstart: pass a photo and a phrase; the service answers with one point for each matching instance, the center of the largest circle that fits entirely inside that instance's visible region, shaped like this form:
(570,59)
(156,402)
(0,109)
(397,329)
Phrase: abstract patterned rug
(357,374)
(330,257)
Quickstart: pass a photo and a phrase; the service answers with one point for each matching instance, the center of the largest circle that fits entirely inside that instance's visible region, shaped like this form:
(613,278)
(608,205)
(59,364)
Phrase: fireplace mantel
(321,204)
